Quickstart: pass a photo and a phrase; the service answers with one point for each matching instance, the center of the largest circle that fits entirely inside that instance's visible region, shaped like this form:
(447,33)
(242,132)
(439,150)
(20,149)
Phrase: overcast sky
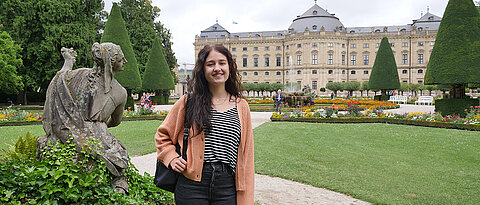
(186,18)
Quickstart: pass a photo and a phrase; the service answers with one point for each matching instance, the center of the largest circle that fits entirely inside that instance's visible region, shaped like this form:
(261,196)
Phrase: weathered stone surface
(81,104)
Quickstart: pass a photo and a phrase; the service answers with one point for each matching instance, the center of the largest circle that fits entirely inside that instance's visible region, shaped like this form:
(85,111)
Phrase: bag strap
(186,129)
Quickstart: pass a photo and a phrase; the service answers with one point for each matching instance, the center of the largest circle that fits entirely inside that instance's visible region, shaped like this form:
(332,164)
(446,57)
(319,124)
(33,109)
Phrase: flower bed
(339,104)
(372,115)
(10,114)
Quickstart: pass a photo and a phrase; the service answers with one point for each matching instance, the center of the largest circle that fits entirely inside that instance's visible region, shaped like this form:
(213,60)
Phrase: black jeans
(216,188)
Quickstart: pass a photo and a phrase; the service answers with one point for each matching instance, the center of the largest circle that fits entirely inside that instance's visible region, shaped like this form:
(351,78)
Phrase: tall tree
(116,32)
(139,16)
(384,72)
(157,75)
(10,61)
(42,28)
(456,53)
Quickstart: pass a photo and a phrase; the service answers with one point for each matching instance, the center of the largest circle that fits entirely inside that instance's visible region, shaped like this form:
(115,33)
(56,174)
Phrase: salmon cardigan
(170,132)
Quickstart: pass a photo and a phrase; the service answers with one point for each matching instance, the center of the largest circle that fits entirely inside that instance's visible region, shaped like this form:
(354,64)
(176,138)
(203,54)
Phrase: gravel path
(277,191)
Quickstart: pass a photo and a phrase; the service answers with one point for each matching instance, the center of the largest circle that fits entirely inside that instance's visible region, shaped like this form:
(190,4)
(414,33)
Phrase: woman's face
(118,62)
(216,68)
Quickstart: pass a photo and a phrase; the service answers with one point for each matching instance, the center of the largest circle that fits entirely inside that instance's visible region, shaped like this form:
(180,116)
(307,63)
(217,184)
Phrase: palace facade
(317,48)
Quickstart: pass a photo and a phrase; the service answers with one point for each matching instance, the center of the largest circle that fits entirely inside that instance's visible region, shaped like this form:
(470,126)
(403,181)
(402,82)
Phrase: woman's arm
(168,131)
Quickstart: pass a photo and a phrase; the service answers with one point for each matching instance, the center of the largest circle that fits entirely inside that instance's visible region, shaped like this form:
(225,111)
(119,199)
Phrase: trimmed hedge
(454,106)
(381,97)
(160,100)
(448,125)
(130,102)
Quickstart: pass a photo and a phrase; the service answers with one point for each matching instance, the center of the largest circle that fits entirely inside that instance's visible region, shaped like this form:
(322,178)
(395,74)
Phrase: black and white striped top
(221,142)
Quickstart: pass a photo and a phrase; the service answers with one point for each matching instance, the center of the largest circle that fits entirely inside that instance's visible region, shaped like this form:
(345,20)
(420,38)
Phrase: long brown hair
(198,111)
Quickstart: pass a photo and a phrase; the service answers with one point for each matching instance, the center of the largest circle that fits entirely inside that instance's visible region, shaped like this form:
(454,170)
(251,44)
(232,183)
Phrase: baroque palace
(319,49)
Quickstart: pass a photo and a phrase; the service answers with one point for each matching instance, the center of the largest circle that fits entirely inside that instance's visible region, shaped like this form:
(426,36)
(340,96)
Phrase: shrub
(25,149)
(58,180)
(454,106)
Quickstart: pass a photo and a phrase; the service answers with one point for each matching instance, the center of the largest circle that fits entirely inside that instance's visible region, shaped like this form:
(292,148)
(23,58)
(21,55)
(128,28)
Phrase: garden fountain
(294,97)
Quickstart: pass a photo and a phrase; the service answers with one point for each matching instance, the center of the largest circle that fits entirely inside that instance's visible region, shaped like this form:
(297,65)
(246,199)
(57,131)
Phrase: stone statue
(81,104)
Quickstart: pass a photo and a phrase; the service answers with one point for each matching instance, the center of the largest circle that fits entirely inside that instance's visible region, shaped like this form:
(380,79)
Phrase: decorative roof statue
(81,104)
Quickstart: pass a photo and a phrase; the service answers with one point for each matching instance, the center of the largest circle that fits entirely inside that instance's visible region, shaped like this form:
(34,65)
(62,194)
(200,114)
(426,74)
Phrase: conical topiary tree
(384,72)
(116,32)
(157,76)
(456,55)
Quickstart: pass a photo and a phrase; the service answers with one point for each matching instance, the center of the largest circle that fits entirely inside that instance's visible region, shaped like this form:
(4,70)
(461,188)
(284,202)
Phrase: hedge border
(422,123)
(22,123)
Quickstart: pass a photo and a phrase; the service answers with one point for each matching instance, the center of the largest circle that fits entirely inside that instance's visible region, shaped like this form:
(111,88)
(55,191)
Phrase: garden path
(274,190)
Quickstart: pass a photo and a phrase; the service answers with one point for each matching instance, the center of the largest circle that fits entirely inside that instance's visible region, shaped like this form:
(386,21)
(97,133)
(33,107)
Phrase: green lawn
(379,163)
(138,136)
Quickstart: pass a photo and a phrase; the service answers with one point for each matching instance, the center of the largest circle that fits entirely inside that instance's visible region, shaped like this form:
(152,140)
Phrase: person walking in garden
(278,100)
(220,157)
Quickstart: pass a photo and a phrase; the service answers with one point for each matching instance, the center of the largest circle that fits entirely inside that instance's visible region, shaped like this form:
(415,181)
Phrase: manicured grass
(137,136)
(379,163)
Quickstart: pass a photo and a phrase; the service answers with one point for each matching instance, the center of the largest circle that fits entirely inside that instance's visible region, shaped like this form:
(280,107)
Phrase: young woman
(220,165)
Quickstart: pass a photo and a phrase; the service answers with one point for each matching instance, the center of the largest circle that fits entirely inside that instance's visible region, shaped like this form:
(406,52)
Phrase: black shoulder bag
(166,178)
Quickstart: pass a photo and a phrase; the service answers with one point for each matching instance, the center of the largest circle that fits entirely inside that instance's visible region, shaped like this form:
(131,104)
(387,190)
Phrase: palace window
(234,49)
(330,72)
(255,48)
(244,62)
(343,59)
(244,73)
(279,48)
(377,45)
(404,44)
(299,72)
(404,71)
(353,72)
(314,59)
(279,61)
(255,73)
(244,48)
(267,48)
(267,73)
(353,46)
(314,71)
(420,58)
(330,59)
(255,62)
(392,44)
(420,43)
(314,84)
(299,60)
(330,44)
(420,71)
(279,73)
(299,45)
(353,60)
(267,61)
(365,45)
(314,44)
(314,27)
(404,59)
(365,72)
(365,60)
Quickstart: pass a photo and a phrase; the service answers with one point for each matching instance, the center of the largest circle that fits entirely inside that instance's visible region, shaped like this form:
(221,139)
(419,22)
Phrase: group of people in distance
(146,101)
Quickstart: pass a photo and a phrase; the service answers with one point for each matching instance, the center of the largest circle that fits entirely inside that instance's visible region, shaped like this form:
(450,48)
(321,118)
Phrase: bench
(425,100)
(398,99)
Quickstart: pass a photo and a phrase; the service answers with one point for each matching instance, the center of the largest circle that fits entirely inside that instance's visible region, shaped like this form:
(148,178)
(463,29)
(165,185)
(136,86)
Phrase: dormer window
(403,29)
(352,31)
(420,28)
(378,30)
(430,18)
(257,35)
(214,28)
(314,27)
(279,34)
(236,36)
(315,12)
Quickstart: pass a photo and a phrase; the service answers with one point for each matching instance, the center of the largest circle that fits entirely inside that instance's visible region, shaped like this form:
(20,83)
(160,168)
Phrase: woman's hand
(178,164)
